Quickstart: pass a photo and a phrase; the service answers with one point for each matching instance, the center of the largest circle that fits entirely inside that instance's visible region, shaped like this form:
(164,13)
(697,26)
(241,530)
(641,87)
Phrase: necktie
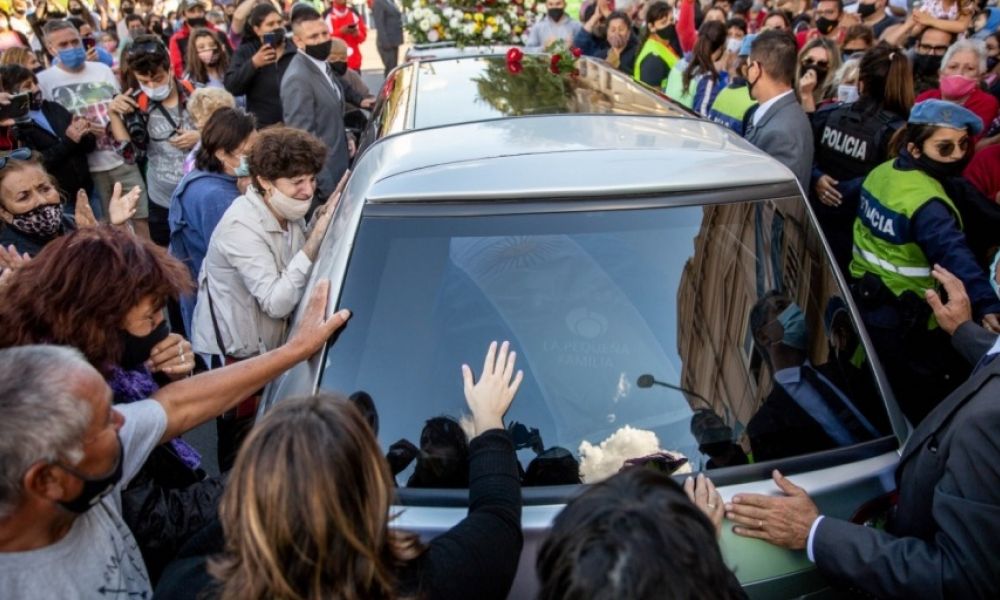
(860,432)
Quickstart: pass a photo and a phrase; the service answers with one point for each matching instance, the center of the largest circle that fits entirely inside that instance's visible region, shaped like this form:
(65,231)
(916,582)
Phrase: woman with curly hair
(258,261)
(63,296)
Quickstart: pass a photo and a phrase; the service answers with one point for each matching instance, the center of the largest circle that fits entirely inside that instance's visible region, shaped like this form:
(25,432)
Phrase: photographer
(154,124)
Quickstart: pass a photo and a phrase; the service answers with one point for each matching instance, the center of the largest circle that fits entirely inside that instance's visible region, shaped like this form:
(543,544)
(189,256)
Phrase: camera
(135,124)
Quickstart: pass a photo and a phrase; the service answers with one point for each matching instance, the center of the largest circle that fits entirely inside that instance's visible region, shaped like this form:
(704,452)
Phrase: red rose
(577,53)
(480,8)
(554,60)
(514,55)
(514,68)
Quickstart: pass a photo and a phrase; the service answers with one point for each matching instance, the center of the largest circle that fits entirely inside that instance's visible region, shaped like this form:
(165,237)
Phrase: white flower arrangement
(471,22)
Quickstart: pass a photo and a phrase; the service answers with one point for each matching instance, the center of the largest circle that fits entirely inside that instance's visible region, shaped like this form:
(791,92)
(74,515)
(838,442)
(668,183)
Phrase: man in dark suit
(389,25)
(778,125)
(312,98)
(944,539)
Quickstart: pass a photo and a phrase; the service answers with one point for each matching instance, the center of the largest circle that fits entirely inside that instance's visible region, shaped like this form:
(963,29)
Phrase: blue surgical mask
(993,274)
(794,323)
(242,169)
(73,58)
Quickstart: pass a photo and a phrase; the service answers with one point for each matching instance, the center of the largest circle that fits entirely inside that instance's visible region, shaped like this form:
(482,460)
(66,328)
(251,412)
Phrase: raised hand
(322,217)
(83,213)
(958,309)
(315,328)
(11,259)
(123,206)
(490,397)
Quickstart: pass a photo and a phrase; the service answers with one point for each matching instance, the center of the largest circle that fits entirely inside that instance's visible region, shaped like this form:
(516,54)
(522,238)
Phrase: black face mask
(76,11)
(136,350)
(94,488)
(991,62)
(666,33)
(556,13)
(339,67)
(35,100)
(195,22)
(866,10)
(825,25)
(926,64)
(279,36)
(941,170)
(319,51)
(821,73)
(157,28)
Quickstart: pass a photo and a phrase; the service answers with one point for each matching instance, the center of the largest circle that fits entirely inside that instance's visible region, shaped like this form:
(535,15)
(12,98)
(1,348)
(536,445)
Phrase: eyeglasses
(946,149)
(932,50)
(19,154)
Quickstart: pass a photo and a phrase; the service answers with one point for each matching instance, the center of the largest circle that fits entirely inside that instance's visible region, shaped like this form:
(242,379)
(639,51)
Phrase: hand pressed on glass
(490,397)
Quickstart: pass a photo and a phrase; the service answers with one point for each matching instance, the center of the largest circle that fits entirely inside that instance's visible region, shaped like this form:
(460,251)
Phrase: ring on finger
(760,524)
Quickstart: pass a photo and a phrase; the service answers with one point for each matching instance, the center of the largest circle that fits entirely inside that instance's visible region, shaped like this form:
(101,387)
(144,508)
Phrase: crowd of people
(166,180)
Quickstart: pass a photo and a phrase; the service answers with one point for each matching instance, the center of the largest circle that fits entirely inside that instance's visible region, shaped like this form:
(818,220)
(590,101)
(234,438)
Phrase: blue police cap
(747,42)
(945,114)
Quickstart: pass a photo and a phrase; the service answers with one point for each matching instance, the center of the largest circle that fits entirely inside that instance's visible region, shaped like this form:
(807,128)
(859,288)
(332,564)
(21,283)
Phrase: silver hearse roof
(561,156)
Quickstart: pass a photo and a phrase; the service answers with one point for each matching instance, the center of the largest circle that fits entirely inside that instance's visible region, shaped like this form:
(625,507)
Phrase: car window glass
(674,338)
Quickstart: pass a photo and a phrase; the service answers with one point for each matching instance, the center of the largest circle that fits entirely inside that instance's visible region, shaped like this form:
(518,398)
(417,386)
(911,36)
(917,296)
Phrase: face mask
(825,25)
(957,86)
(279,36)
(73,58)
(866,10)
(941,170)
(926,64)
(94,488)
(666,33)
(76,10)
(134,33)
(339,67)
(794,324)
(157,94)
(289,208)
(820,73)
(210,57)
(196,22)
(991,62)
(556,13)
(157,28)
(242,169)
(35,101)
(136,350)
(993,275)
(320,51)
(847,93)
(43,221)
(733,45)
(750,84)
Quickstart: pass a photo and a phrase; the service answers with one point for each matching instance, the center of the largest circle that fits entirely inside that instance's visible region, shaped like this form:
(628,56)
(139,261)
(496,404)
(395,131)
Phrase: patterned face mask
(43,221)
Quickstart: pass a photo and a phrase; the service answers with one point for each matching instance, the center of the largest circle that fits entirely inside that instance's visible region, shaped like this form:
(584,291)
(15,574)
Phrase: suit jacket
(311,102)
(388,23)
(784,132)
(944,539)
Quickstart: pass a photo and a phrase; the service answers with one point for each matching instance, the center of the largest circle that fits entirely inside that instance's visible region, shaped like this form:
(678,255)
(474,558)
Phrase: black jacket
(262,87)
(63,158)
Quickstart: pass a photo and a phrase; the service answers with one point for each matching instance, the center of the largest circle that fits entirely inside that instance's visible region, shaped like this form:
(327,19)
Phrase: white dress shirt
(763,108)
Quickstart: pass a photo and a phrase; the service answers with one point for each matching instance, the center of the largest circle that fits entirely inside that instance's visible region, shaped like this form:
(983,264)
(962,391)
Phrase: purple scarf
(130,386)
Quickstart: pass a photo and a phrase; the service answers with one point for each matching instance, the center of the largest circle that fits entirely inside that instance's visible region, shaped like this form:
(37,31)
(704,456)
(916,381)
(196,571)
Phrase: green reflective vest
(654,46)
(675,85)
(730,106)
(883,243)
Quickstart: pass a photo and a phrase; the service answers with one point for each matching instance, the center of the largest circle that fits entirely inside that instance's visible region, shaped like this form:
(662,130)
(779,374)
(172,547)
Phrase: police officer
(657,56)
(853,138)
(906,224)
(731,105)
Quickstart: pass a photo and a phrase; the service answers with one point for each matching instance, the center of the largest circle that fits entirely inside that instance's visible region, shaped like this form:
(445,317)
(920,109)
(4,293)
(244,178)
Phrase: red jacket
(178,46)
(354,42)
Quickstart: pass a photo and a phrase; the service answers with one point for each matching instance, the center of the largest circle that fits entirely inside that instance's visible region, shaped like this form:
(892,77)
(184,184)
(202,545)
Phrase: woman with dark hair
(62,139)
(259,64)
(703,74)
(297,523)
(207,59)
(636,535)
(204,195)
(853,138)
(63,296)
(259,258)
(907,227)
(657,56)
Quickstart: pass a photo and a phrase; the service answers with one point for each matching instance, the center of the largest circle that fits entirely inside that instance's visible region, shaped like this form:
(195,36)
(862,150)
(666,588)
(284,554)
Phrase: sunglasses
(145,48)
(815,63)
(946,149)
(19,154)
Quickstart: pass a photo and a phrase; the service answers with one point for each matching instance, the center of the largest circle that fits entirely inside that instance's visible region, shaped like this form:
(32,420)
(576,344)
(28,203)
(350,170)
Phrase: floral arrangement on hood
(471,22)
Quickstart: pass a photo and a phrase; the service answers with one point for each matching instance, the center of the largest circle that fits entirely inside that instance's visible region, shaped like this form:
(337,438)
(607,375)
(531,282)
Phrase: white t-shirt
(87,93)
(99,557)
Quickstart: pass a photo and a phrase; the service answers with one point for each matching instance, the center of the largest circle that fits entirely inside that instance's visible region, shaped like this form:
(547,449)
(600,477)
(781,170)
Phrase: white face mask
(291,209)
(847,93)
(157,94)
(733,45)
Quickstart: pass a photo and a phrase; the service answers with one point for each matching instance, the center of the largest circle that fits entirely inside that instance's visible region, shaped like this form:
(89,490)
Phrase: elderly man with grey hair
(66,454)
